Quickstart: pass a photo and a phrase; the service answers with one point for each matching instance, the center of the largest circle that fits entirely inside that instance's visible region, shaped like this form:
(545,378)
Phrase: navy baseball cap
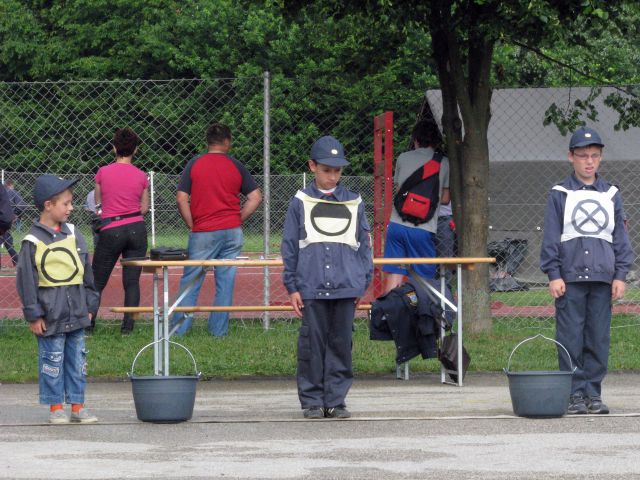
(328,151)
(583,137)
(47,186)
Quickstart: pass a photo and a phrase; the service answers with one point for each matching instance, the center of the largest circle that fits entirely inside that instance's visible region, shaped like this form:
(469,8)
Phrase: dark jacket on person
(584,259)
(64,308)
(325,270)
(6,212)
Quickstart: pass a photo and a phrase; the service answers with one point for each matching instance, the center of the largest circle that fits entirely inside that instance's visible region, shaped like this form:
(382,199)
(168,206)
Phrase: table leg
(156,326)
(459,328)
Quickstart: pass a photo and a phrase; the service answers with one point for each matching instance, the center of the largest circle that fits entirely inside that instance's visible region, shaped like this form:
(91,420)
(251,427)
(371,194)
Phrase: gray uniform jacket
(64,308)
(584,259)
(325,270)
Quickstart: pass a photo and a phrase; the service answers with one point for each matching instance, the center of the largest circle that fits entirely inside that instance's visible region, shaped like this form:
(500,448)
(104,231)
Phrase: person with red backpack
(422,179)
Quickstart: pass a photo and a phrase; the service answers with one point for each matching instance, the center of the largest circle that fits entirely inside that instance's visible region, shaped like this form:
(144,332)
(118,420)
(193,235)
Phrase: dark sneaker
(577,405)
(313,413)
(337,412)
(595,406)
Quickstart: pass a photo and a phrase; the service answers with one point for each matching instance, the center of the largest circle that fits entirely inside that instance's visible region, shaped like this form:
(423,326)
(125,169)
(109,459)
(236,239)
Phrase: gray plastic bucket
(164,399)
(539,393)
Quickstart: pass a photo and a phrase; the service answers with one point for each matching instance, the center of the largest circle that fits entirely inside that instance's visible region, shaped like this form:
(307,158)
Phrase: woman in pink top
(122,198)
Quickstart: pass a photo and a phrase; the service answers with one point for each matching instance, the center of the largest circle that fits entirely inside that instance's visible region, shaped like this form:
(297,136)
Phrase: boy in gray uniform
(55,284)
(327,268)
(586,254)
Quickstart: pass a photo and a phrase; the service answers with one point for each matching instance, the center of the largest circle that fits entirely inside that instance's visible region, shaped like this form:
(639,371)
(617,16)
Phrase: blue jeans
(62,368)
(216,245)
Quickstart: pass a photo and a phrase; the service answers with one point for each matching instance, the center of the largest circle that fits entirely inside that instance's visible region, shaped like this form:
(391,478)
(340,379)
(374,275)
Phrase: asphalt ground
(253,429)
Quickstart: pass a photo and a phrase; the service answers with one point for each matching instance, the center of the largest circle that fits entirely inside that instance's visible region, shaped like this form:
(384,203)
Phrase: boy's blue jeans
(62,368)
(219,244)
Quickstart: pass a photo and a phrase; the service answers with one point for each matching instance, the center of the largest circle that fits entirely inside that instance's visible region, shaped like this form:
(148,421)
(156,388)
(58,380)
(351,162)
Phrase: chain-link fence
(66,128)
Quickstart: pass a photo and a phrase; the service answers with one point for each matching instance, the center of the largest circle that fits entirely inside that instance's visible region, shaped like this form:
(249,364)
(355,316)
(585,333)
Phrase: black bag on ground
(169,253)
(448,355)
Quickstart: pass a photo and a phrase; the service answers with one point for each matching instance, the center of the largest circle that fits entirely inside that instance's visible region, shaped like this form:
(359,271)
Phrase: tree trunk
(475,207)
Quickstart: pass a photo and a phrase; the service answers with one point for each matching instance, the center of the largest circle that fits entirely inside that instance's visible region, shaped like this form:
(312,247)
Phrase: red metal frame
(382,188)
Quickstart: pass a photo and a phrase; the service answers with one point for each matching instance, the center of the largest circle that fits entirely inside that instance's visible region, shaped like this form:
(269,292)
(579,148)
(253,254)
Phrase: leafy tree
(465,35)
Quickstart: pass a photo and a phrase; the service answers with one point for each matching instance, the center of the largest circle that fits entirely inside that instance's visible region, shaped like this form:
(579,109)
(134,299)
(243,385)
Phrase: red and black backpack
(419,195)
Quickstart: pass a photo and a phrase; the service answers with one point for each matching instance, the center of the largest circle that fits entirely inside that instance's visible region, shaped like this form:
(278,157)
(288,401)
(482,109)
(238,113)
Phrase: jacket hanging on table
(410,316)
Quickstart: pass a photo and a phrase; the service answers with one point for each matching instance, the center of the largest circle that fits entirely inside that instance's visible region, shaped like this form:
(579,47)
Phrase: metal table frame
(161,328)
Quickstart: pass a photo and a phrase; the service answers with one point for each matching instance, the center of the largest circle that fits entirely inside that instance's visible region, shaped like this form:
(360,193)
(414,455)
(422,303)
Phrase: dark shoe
(577,405)
(313,413)
(127,327)
(595,406)
(337,412)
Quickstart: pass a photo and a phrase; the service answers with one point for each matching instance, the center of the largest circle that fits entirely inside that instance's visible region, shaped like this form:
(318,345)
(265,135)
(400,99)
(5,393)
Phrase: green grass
(249,350)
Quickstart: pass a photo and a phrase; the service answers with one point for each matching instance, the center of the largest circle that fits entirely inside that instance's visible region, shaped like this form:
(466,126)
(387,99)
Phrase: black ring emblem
(583,217)
(333,211)
(44,270)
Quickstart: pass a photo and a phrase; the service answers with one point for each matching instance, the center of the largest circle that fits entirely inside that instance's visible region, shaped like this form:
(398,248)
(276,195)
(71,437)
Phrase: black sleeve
(184,185)
(6,211)
(248,182)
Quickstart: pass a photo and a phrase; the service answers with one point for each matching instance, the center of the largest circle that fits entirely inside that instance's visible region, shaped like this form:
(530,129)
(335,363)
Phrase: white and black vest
(588,213)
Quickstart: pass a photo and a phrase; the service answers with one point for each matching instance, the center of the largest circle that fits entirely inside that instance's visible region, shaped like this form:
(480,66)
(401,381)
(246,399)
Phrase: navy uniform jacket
(584,259)
(325,270)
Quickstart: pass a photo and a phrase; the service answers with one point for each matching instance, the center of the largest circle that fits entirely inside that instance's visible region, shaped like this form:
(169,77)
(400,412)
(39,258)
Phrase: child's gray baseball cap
(583,137)
(328,151)
(47,186)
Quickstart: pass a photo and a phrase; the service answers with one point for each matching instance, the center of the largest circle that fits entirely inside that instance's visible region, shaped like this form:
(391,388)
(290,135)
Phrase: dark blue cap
(328,151)
(47,186)
(583,137)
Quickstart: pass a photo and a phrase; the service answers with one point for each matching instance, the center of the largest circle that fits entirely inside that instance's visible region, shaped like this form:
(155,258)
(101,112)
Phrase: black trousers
(130,241)
(325,371)
(583,325)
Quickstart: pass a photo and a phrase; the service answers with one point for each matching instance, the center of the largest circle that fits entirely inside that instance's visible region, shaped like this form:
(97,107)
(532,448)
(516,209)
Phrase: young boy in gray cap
(327,268)
(586,254)
(55,283)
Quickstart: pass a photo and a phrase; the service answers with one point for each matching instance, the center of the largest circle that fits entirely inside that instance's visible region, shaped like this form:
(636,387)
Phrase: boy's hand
(557,288)
(617,289)
(38,327)
(296,303)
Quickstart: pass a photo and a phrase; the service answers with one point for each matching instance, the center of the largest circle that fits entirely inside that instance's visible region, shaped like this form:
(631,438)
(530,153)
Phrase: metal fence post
(267,192)
(153,209)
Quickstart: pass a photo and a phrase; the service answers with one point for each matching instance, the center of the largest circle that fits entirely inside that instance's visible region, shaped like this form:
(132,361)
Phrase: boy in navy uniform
(55,283)
(327,268)
(586,254)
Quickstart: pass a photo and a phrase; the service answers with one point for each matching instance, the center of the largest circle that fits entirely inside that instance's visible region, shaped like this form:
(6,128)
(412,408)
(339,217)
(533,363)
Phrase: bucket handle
(170,341)
(573,368)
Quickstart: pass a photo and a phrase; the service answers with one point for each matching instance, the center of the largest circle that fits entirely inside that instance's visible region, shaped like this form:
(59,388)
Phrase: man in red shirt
(209,201)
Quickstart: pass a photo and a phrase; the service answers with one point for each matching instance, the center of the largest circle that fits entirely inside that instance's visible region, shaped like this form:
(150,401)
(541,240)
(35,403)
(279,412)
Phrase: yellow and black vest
(58,263)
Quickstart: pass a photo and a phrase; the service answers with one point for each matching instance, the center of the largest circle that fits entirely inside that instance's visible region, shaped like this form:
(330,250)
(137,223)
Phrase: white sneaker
(83,416)
(58,416)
